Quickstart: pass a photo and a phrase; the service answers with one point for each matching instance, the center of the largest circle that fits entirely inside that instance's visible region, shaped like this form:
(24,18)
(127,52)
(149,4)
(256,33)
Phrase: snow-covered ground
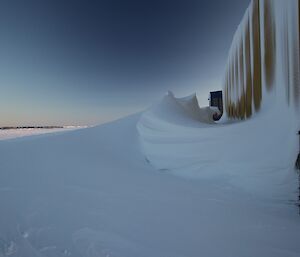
(16,133)
(110,190)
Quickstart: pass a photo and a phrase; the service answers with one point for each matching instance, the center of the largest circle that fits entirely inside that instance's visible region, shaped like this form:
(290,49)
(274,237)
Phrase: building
(216,100)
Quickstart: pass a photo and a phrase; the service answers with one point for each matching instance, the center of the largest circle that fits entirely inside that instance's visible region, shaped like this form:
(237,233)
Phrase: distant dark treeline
(33,127)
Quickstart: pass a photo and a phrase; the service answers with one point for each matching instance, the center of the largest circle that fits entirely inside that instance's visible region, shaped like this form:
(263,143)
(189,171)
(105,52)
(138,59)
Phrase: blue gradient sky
(86,62)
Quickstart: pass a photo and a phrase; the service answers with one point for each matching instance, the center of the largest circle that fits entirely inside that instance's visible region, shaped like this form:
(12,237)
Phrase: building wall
(263,61)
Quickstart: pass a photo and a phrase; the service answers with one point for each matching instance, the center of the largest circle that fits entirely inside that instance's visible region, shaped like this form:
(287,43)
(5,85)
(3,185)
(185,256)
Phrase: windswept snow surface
(92,192)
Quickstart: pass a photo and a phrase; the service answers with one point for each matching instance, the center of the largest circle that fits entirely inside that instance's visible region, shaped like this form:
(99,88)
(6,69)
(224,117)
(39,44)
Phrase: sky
(85,62)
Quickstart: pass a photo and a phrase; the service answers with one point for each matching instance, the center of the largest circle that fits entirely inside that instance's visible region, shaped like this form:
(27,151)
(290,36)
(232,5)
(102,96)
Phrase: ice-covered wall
(263,63)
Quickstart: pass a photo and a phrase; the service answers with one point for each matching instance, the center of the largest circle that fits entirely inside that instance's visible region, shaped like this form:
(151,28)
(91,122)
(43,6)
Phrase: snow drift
(179,110)
(185,141)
